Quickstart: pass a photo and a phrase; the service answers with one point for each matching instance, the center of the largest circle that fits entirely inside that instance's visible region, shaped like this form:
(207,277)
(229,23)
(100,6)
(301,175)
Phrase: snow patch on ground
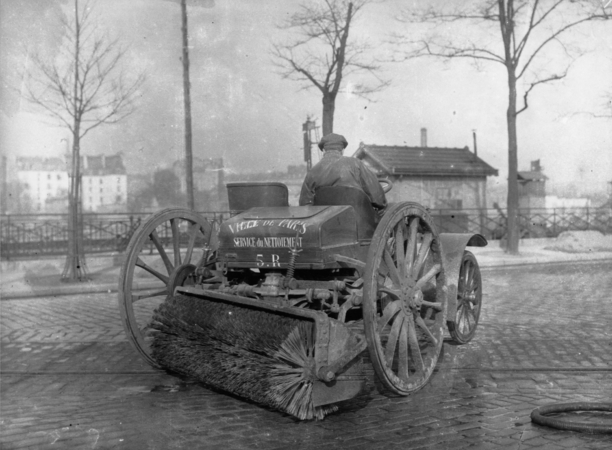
(581,242)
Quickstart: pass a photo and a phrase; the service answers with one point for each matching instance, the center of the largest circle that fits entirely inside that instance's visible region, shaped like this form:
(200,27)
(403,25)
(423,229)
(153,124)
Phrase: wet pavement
(69,379)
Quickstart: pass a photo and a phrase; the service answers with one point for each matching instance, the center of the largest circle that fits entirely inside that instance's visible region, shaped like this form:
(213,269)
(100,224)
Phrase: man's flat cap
(333,141)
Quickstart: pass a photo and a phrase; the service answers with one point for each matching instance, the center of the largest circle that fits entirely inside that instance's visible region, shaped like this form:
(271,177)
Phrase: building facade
(43,183)
(437,178)
(532,187)
(103,183)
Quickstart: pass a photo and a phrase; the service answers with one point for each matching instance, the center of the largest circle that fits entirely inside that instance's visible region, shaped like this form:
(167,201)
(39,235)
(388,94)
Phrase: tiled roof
(37,163)
(399,160)
(102,165)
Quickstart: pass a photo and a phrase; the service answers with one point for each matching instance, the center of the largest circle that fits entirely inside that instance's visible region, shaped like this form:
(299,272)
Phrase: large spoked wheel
(469,300)
(404,299)
(162,254)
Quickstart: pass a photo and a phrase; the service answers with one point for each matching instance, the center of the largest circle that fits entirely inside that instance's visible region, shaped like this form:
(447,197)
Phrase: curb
(75,289)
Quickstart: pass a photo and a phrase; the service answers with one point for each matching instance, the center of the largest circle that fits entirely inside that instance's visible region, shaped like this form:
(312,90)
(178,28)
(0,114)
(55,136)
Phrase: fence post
(8,237)
(588,221)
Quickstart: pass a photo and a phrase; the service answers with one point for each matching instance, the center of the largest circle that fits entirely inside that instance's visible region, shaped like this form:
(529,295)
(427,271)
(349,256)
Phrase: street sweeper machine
(288,306)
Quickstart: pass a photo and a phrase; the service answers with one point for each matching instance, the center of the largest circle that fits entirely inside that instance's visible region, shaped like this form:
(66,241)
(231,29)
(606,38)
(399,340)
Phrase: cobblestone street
(71,380)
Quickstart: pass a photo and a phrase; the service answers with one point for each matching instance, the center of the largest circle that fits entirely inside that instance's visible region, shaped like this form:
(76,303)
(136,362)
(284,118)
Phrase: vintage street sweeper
(278,303)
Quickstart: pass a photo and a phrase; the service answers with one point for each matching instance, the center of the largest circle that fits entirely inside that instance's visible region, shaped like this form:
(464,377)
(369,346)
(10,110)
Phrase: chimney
(475,144)
(423,137)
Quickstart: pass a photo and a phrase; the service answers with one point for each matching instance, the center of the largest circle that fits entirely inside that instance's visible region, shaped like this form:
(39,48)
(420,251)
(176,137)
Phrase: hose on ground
(539,416)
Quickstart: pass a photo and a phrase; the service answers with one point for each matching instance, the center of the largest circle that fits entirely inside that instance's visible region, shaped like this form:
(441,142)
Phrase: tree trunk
(513,200)
(329,106)
(75,267)
(187,101)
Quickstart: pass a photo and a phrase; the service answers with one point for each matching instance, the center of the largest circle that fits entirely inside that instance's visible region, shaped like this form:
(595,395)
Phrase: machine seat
(243,196)
(359,200)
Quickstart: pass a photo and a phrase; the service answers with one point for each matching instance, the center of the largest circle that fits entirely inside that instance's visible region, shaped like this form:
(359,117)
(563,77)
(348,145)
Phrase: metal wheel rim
(469,299)
(197,227)
(404,336)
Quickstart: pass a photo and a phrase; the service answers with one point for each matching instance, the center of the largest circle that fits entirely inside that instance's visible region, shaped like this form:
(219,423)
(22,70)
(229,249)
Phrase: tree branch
(534,84)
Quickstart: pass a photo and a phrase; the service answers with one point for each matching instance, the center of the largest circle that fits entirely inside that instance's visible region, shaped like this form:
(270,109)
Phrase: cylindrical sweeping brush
(255,354)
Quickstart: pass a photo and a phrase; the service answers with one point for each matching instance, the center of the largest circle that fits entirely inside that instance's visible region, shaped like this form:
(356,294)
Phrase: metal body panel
(453,245)
(264,237)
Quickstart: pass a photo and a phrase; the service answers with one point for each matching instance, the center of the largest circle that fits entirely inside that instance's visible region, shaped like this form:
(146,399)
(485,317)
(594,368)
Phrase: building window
(59,176)
(445,200)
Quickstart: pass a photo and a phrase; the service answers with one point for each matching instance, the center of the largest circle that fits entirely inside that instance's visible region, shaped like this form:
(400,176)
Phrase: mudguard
(452,246)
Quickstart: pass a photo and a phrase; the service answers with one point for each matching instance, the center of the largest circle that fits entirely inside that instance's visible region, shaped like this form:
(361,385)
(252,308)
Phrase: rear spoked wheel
(404,299)
(162,254)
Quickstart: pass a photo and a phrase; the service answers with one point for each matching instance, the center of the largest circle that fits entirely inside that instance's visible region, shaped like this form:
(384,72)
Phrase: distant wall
(440,192)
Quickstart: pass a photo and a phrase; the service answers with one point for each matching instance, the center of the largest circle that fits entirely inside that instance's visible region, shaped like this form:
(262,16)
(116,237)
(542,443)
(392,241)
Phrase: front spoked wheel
(404,300)
(162,254)
(469,300)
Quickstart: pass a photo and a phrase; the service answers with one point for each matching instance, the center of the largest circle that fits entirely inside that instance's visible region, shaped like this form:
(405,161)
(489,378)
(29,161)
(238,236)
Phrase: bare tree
(527,32)
(606,107)
(323,56)
(83,87)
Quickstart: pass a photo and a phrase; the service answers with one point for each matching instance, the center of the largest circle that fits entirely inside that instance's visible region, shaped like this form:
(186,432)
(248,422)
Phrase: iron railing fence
(533,223)
(34,235)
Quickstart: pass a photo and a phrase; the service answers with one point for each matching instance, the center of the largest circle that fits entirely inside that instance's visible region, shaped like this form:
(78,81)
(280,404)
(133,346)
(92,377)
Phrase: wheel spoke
(402,369)
(162,253)
(428,276)
(399,248)
(469,318)
(468,278)
(414,345)
(392,339)
(393,293)
(391,309)
(461,321)
(412,241)
(136,297)
(423,326)
(393,273)
(193,232)
(423,252)
(436,306)
(140,263)
(176,241)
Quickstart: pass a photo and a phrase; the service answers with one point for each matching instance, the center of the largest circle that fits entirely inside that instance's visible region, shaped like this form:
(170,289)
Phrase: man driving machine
(337,170)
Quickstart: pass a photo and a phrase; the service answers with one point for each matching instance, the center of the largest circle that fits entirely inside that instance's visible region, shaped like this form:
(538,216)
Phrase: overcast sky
(244,112)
